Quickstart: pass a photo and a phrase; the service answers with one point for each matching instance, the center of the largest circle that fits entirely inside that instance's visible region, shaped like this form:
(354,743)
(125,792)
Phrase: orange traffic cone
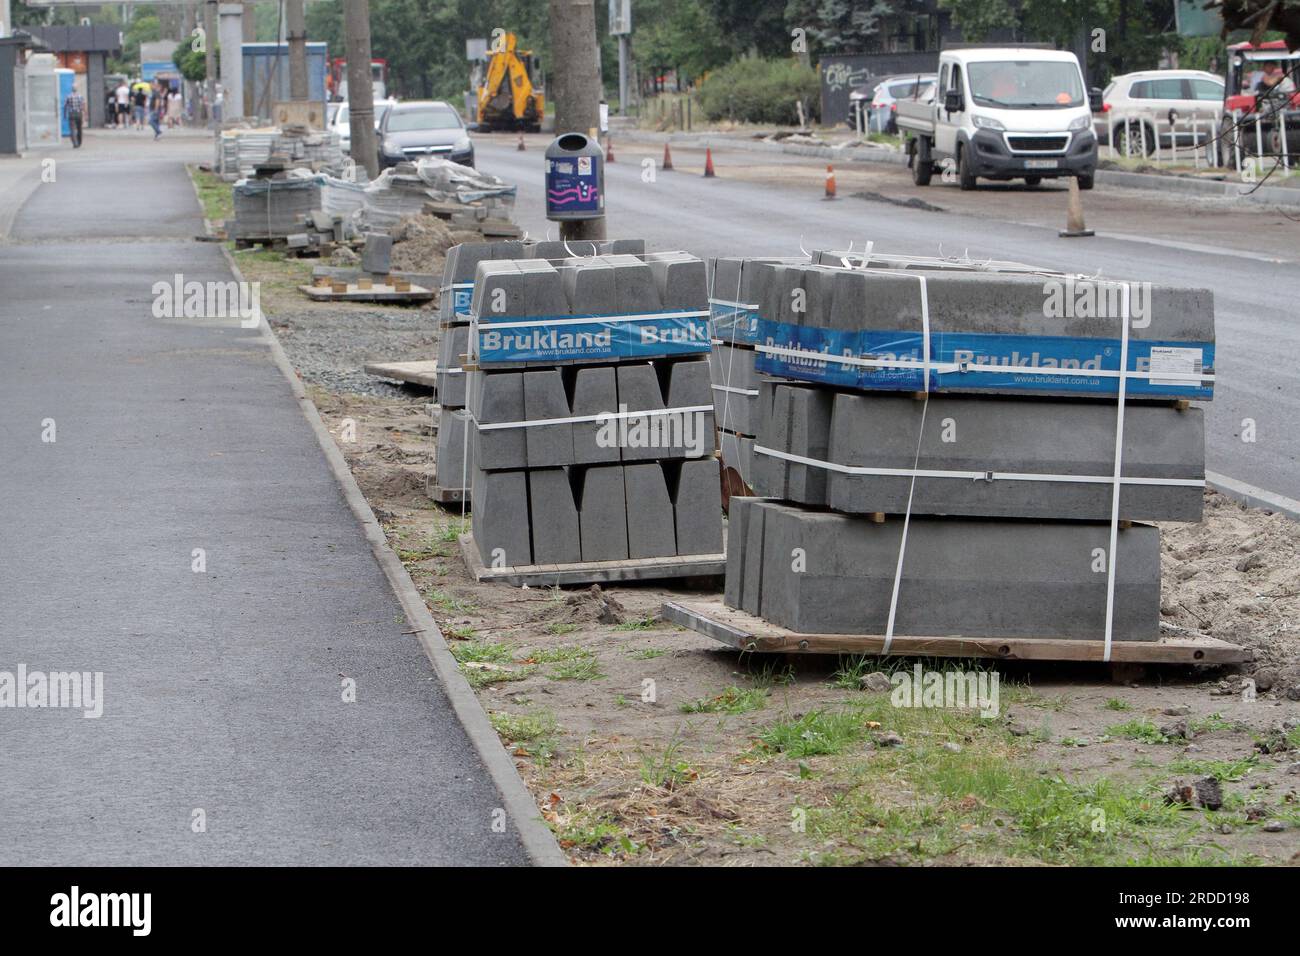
(520,147)
(830,182)
(1074,225)
(668,158)
(708,163)
(609,150)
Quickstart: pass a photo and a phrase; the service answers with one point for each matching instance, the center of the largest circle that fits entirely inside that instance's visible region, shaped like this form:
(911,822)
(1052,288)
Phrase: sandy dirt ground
(645,744)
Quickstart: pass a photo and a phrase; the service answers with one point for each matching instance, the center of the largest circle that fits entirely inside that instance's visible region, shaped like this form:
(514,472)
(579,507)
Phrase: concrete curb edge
(1253,497)
(537,839)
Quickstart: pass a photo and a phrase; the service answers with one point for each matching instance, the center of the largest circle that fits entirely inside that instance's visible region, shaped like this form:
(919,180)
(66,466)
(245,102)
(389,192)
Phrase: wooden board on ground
(593,572)
(446,496)
(749,633)
(414,373)
(377,293)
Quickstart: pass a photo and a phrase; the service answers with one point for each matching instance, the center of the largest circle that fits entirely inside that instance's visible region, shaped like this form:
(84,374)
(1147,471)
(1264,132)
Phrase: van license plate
(1040,163)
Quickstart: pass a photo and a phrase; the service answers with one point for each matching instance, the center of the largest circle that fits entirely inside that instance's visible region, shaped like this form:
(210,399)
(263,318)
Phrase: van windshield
(1026,84)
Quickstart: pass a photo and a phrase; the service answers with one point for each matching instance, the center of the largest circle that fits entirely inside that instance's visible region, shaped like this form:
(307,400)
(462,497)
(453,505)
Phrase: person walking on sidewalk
(122,97)
(157,105)
(74,108)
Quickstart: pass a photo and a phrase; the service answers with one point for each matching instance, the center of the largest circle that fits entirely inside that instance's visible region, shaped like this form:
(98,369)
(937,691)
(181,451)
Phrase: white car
(342,125)
(1137,107)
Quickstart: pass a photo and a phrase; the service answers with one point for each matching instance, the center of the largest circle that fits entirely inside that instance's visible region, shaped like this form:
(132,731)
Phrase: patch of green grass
(520,728)
(647,653)
(1140,730)
(772,674)
(666,769)
(851,670)
(982,803)
(640,624)
(483,662)
(451,534)
(733,700)
(215,195)
(586,668)
(1208,725)
(815,733)
(1114,703)
(620,701)
(593,831)
(572,663)
(482,652)
(410,557)
(560,627)
(449,602)
(1222,770)
(462,633)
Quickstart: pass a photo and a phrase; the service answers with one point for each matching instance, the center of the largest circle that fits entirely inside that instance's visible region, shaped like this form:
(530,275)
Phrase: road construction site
(646,742)
(741,715)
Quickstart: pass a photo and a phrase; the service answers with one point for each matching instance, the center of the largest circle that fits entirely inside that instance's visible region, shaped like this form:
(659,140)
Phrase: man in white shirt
(122,99)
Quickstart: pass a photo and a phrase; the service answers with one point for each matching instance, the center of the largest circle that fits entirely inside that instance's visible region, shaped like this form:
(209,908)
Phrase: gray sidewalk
(223,691)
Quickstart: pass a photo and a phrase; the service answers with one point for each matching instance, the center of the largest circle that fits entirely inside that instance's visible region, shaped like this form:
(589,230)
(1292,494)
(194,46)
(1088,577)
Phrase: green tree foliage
(192,63)
(841,26)
(760,91)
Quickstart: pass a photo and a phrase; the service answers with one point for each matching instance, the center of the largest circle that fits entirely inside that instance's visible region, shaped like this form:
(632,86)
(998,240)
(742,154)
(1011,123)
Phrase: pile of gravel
(328,347)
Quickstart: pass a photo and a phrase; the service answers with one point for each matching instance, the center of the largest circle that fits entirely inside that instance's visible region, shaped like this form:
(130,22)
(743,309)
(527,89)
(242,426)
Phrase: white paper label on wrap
(1170,360)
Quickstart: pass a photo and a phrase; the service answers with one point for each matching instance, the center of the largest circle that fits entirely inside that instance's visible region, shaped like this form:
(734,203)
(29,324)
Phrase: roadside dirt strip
(645,744)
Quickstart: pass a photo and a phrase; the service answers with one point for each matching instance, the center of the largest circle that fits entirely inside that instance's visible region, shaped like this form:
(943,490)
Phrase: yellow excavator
(510,95)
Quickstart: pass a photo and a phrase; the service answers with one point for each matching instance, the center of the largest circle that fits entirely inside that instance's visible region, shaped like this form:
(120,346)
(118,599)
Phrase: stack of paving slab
(565,351)
(409,189)
(241,149)
(1001,458)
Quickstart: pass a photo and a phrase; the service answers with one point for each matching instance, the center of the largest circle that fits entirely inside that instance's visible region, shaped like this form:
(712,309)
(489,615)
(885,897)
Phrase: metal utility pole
(575,87)
(209,58)
(361,94)
(296,20)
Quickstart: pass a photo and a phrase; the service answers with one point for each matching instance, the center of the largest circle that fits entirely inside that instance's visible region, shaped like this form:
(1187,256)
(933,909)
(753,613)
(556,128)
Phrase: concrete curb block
(537,839)
(1185,185)
(841,155)
(1253,497)
(21,191)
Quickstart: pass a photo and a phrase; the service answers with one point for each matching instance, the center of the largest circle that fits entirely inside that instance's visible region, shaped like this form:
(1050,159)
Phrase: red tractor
(1261,103)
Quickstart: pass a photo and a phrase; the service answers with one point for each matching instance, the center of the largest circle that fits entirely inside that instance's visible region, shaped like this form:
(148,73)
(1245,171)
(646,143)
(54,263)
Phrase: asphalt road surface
(223,691)
(1256,292)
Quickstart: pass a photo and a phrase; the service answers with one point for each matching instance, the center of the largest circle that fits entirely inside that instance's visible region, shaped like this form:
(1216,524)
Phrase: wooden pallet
(377,293)
(749,633)
(446,496)
(593,572)
(413,373)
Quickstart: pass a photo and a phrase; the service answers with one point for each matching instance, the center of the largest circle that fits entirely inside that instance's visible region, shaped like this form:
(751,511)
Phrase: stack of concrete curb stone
(582,345)
(1001,456)
(735,290)
(455,456)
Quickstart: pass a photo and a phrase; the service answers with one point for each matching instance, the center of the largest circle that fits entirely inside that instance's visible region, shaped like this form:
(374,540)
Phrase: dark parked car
(420,128)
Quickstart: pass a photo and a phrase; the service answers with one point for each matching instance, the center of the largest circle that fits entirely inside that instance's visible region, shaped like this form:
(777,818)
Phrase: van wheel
(1033,180)
(1085,181)
(964,174)
(922,170)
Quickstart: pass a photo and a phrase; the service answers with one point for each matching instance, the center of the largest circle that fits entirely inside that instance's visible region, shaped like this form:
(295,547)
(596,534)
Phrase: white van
(1004,113)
